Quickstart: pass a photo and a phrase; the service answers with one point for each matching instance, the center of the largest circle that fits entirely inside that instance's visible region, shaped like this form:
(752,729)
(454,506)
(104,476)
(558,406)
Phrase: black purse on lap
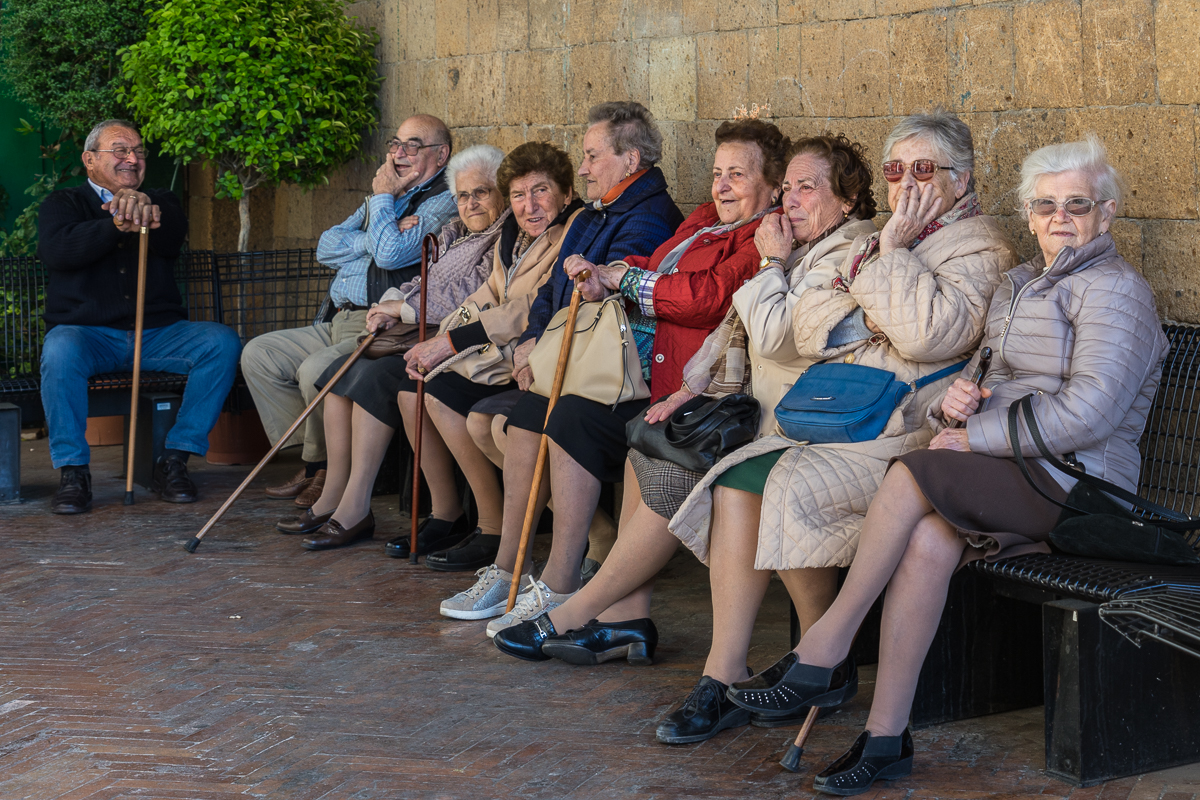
(699,433)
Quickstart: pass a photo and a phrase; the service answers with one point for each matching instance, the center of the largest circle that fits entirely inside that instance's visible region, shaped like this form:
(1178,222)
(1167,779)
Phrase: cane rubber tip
(129,498)
(192,544)
(412,558)
(791,759)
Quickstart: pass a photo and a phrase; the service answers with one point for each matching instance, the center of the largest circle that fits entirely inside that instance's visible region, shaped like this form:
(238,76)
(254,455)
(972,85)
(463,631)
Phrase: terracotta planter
(105,430)
(237,438)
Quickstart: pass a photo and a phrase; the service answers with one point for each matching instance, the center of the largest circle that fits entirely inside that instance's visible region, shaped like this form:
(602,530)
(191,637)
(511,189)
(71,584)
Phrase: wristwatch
(769,260)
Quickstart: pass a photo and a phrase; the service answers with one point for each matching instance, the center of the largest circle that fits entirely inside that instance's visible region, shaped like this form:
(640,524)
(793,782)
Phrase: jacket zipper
(1012,307)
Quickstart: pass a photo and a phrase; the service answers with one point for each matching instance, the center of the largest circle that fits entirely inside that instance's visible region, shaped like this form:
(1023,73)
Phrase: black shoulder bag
(699,433)
(1094,526)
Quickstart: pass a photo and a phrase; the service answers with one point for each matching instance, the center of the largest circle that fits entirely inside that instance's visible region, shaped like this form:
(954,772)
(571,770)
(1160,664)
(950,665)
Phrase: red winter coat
(690,302)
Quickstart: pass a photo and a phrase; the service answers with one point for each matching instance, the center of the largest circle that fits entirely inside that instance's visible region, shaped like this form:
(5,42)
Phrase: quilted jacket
(931,302)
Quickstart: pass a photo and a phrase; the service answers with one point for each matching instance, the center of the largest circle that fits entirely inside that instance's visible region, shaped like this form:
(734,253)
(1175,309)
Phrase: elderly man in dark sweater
(88,240)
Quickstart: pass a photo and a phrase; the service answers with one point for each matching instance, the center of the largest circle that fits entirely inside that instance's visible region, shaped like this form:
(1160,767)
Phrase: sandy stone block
(396,88)
(1016,230)
(694,148)
(608,71)
(723,66)
(418,27)
(793,11)
(1127,233)
(799,127)
(1118,47)
(387,25)
(821,69)
(554,23)
(865,60)
(612,20)
(784,91)
(668,162)
(1002,141)
(1176,34)
(535,87)
(1155,148)
(200,179)
(738,14)
(869,132)
(293,211)
(700,16)
(657,20)
(671,77)
(473,89)
(920,62)
(1049,46)
(1169,250)
(498,25)
(983,60)
(893,7)
(452,27)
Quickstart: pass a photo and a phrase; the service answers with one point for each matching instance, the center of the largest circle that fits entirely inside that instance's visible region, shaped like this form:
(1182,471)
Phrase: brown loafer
(307,522)
(332,534)
(312,492)
(291,487)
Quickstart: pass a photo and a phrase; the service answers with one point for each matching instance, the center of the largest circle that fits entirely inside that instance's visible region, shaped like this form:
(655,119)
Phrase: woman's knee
(934,547)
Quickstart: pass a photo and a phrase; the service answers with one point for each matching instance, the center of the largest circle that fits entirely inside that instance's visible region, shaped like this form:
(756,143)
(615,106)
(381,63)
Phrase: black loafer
(598,642)
(433,534)
(871,758)
(524,641)
(74,495)
(705,713)
(171,481)
(788,686)
(472,553)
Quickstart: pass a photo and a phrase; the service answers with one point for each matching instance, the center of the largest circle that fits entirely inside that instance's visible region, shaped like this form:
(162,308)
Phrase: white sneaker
(487,598)
(535,601)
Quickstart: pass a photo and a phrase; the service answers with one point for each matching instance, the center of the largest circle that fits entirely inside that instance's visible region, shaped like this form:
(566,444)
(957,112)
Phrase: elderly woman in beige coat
(1077,328)
(910,300)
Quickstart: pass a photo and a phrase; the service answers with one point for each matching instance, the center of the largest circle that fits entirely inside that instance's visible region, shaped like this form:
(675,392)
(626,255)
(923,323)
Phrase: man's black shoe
(74,491)
(472,553)
(433,534)
(171,481)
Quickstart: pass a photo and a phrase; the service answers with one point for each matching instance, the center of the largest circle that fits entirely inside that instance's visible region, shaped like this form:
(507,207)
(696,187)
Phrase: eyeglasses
(410,148)
(122,153)
(922,169)
(481,195)
(1075,206)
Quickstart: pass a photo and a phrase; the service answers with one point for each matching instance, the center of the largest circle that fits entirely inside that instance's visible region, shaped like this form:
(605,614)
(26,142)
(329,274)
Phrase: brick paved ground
(256,669)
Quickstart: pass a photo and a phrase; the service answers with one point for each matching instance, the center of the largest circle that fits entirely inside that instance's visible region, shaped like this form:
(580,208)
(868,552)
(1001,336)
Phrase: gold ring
(422,370)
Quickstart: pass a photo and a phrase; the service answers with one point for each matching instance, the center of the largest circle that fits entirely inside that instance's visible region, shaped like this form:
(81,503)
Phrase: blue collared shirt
(105,194)
(349,249)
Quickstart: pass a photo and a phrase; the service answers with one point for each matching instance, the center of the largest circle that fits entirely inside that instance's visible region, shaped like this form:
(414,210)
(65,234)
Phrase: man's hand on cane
(132,210)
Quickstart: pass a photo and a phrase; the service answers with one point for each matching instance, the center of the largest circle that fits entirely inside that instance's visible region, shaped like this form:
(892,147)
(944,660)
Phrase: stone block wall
(1022,73)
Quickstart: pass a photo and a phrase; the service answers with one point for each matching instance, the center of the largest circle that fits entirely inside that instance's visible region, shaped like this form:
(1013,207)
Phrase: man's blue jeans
(207,352)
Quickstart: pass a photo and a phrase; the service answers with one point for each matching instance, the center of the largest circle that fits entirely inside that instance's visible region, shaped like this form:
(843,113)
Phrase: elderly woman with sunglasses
(1077,328)
(910,300)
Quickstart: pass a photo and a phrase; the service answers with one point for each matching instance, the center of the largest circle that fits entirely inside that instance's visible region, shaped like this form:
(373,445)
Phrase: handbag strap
(1171,519)
(921,383)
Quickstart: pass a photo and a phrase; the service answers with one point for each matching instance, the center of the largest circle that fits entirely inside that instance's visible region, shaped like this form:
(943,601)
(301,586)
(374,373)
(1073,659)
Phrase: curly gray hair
(633,128)
(480,156)
(945,132)
(1087,156)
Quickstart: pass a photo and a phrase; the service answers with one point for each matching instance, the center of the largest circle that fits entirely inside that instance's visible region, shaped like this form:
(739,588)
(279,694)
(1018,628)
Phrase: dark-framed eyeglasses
(922,169)
(1075,206)
(411,147)
(481,194)
(122,153)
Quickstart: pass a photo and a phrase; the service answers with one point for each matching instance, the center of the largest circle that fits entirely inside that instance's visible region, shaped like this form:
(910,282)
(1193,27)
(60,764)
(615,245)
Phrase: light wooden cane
(428,244)
(194,542)
(140,313)
(560,372)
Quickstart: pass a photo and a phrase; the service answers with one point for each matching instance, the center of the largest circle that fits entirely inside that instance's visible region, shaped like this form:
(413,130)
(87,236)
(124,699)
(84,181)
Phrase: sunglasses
(1075,206)
(922,169)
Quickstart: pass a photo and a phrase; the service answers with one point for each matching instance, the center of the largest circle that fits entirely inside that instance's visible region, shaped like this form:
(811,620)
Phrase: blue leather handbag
(836,403)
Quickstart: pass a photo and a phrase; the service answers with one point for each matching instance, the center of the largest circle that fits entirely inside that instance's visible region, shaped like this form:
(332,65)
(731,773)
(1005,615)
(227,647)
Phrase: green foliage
(62,157)
(268,90)
(61,56)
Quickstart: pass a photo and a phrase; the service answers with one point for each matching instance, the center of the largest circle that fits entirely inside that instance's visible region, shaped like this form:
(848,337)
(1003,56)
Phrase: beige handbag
(485,364)
(604,364)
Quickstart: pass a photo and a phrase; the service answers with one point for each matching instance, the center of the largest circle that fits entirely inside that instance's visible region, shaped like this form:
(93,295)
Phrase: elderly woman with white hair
(1077,328)
(361,412)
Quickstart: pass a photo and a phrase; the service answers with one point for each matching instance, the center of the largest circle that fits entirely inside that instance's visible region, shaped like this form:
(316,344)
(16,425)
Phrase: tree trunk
(244,219)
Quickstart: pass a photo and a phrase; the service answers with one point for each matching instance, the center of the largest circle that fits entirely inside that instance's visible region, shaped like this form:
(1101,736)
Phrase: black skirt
(591,433)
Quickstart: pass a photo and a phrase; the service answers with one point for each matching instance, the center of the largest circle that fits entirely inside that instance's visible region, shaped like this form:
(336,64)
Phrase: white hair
(1087,156)
(93,138)
(948,135)
(480,156)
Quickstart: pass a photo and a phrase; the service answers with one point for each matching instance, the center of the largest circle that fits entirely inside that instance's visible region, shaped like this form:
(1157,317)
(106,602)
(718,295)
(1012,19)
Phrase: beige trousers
(280,368)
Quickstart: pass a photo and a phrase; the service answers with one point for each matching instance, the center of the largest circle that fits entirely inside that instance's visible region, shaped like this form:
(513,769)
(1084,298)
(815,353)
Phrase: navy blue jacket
(641,219)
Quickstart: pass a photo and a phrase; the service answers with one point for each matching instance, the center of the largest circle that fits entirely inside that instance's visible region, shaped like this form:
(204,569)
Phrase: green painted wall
(20,155)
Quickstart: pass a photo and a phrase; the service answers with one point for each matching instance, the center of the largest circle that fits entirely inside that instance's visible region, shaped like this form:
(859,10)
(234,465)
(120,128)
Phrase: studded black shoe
(788,686)
(871,758)
(705,713)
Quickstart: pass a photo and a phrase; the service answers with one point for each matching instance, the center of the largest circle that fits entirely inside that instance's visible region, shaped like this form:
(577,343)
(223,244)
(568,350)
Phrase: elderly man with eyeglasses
(378,247)
(88,240)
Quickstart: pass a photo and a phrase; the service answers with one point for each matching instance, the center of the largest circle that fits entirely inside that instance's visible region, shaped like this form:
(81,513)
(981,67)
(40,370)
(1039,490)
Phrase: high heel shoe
(598,642)
(788,686)
(871,758)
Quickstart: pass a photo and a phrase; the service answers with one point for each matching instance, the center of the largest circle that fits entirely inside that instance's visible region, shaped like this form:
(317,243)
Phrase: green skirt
(751,474)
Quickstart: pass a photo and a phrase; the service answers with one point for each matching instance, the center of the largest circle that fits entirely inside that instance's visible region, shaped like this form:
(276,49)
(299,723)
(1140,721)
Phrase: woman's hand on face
(668,405)
(962,399)
(951,439)
(916,208)
(591,288)
(404,223)
(384,316)
(425,356)
(774,236)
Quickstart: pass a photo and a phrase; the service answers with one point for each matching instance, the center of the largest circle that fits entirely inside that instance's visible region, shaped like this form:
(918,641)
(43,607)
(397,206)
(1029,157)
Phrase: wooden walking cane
(560,372)
(429,243)
(337,376)
(143,250)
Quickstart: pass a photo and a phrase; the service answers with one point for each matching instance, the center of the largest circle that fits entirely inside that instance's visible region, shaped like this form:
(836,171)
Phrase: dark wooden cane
(139,318)
(560,372)
(985,361)
(429,255)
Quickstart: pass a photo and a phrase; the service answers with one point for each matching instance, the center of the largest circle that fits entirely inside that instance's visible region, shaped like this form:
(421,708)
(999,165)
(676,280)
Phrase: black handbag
(1092,524)
(699,433)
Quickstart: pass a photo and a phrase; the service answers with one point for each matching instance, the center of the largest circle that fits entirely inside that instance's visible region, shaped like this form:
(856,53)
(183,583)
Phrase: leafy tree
(267,90)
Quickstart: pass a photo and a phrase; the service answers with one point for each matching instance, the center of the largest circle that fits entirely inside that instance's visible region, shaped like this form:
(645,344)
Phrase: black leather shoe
(472,553)
(705,713)
(524,641)
(171,481)
(598,642)
(332,534)
(74,494)
(306,522)
(432,535)
(789,686)
(871,758)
